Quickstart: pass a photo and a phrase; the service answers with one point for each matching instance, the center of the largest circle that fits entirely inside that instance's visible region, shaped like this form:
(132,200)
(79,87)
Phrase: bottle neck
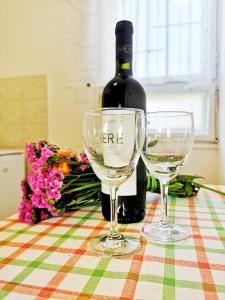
(124,54)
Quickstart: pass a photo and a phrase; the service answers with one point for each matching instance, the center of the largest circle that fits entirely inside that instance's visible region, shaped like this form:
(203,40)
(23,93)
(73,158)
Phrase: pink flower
(32,180)
(53,194)
(45,154)
(38,157)
(26,208)
(83,168)
(31,155)
(45,185)
(23,188)
(83,158)
(44,215)
(43,195)
(28,211)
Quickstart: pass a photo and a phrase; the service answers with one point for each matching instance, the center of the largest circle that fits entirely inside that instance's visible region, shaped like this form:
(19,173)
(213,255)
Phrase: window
(175,56)
(175,53)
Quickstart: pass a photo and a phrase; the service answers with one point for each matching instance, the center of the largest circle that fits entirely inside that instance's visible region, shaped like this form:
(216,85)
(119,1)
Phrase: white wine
(163,166)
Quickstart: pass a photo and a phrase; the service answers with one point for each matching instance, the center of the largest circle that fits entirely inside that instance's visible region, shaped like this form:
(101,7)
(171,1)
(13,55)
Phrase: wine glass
(169,138)
(113,139)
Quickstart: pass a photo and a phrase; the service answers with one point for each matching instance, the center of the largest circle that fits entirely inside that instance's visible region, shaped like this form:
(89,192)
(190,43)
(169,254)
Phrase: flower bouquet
(60,181)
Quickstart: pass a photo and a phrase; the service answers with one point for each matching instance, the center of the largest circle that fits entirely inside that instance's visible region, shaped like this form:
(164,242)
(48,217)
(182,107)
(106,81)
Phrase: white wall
(49,37)
(32,42)
(203,162)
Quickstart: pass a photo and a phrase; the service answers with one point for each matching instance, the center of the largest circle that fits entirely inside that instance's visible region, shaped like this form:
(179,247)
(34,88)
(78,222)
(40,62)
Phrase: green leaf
(153,143)
(79,188)
(180,186)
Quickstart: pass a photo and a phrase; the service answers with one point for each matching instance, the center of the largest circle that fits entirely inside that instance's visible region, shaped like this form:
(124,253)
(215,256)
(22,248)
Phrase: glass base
(164,233)
(117,247)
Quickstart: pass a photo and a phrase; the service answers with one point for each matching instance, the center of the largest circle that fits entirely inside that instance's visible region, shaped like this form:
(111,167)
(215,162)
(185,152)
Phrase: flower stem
(210,189)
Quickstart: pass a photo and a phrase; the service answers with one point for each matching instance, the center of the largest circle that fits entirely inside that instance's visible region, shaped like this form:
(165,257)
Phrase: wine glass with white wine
(113,139)
(169,138)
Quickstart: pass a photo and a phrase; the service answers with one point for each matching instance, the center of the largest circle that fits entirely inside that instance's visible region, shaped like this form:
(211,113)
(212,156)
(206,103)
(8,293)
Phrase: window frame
(196,83)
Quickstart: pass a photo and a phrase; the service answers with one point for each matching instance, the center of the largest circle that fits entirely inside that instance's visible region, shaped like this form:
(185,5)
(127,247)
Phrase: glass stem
(164,211)
(114,232)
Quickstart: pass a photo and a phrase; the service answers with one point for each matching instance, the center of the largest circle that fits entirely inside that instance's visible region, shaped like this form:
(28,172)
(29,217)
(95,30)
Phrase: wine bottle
(124,91)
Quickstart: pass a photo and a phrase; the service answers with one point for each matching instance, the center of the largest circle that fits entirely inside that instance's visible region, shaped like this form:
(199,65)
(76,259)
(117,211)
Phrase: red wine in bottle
(124,91)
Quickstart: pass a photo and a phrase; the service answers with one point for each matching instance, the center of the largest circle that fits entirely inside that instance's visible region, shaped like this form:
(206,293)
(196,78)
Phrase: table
(50,260)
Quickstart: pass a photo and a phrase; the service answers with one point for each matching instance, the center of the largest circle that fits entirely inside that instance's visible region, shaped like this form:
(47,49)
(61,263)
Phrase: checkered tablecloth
(50,260)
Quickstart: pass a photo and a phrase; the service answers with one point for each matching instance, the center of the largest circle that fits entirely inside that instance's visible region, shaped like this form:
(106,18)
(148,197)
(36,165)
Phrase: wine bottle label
(128,188)
(124,49)
(125,66)
(119,140)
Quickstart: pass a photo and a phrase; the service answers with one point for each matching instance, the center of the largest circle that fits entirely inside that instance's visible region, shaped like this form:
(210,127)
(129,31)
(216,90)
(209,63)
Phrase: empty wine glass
(113,139)
(169,138)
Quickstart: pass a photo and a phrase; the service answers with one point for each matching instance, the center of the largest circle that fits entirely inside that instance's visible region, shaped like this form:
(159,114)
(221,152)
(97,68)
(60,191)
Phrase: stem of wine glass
(164,193)
(114,232)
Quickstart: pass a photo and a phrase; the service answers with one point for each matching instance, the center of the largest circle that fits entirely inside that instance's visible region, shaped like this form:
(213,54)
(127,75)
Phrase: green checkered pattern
(51,260)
